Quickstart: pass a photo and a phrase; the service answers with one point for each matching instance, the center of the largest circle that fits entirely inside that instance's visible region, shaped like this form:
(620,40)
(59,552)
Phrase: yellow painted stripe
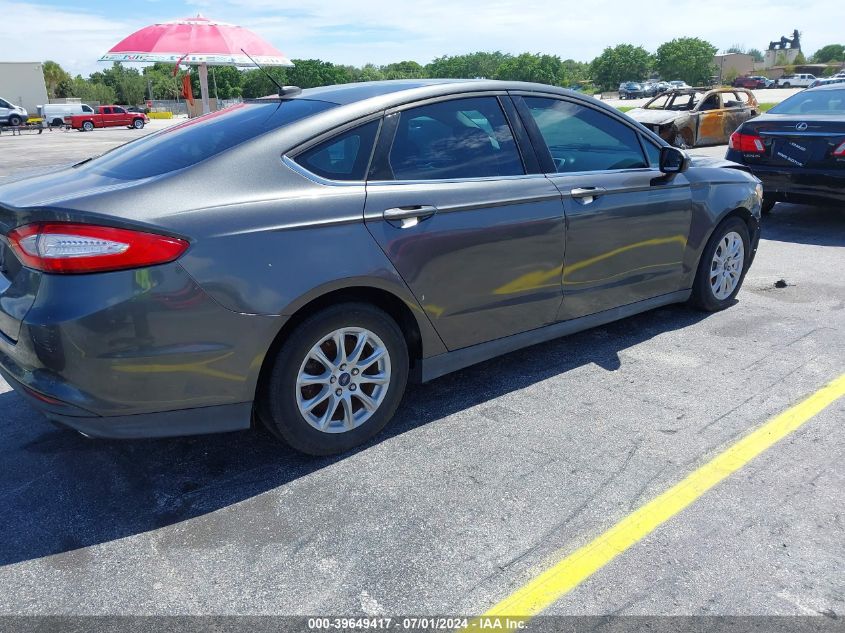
(551,585)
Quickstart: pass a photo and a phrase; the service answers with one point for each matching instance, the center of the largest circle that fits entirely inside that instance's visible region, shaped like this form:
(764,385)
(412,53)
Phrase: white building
(22,83)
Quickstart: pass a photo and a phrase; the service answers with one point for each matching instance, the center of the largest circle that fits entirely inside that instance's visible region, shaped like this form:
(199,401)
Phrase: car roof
(343,94)
(390,93)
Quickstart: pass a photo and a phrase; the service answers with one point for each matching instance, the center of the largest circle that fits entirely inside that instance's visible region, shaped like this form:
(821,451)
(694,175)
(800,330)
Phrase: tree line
(688,58)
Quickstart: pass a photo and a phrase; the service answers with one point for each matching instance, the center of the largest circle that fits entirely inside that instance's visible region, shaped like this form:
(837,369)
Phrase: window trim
(544,154)
(289,157)
(380,172)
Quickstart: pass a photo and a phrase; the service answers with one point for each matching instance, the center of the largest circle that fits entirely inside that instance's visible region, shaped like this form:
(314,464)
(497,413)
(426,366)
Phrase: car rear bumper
(200,420)
(138,353)
(806,185)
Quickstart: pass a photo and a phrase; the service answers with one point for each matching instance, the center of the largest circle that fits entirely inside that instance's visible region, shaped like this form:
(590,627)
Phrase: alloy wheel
(727,265)
(343,380)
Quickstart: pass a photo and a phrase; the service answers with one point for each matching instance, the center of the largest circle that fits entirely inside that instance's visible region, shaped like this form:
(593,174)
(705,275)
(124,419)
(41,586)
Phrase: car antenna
(284,91)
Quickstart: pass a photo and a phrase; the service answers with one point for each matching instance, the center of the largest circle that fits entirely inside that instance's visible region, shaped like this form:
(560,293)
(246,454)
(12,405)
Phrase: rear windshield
(188,143)
(813,102)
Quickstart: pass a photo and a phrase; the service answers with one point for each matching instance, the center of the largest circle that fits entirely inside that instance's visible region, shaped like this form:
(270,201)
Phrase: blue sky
(75,34)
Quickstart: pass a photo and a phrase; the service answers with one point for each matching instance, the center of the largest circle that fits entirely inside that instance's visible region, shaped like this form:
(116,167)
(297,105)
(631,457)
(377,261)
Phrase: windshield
(195,140)
(813,102)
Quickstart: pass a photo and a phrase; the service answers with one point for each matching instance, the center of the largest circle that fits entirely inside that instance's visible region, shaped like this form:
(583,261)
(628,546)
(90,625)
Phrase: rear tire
(722,267)
(322,402)
(87,126)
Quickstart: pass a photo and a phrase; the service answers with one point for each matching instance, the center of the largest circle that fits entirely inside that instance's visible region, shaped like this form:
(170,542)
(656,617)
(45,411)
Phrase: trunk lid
(799,143)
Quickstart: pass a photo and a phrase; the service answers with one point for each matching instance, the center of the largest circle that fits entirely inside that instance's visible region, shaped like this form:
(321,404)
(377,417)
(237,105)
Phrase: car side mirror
(673,160)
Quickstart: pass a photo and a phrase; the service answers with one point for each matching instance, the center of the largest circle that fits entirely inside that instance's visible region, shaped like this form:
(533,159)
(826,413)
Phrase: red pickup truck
(106,116)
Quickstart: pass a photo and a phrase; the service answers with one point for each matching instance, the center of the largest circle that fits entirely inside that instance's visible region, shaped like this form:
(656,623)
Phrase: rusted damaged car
(697,116)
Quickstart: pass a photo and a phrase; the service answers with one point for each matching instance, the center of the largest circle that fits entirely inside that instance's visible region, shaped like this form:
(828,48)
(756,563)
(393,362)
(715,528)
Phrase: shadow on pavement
(62,491)
(805,224)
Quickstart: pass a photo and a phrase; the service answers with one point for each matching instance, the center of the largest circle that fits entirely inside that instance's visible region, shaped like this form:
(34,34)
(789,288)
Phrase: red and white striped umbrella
(199,41)
(204,41)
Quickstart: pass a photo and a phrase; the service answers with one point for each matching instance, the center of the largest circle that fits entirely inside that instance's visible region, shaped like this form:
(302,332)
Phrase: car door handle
(585,195)
(406,217)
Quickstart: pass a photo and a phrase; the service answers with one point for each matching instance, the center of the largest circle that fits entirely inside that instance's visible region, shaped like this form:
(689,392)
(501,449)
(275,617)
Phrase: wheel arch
(418,333)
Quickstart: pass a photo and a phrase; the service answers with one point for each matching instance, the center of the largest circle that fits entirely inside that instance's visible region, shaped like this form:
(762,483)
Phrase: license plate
(795,152)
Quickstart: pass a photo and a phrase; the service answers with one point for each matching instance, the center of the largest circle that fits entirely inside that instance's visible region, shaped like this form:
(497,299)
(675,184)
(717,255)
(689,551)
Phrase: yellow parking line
(551,585)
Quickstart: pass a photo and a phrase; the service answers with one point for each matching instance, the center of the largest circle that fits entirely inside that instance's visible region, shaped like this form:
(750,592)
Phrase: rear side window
(461,138)
(583,139)
(198,139)
(343,157)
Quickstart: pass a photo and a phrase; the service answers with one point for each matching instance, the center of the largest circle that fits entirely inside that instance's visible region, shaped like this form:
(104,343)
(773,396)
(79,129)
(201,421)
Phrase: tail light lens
(840,151)
(87,248)
(747,143)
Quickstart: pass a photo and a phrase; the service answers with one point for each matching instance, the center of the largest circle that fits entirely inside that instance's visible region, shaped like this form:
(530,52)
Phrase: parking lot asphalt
(485,479)
(31,153)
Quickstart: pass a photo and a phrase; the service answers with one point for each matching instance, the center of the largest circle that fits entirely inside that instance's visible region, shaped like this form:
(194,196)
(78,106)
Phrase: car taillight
(840,151)
(746,143)
(87,248)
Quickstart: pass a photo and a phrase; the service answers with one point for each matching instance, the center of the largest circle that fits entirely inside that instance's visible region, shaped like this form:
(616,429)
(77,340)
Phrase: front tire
(722,266)
(337,380)
(768,205)
(138,124)
(15,120)
(681,140)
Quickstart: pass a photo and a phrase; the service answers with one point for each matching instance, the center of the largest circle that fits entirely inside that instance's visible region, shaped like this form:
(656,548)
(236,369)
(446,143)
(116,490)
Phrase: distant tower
(789,48)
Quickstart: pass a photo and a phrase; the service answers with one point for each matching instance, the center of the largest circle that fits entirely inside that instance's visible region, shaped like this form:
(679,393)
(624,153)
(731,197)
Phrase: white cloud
(74,38)
(381,31)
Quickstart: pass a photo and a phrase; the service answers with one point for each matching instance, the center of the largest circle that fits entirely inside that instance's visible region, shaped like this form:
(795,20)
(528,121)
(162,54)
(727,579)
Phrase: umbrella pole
(204,87)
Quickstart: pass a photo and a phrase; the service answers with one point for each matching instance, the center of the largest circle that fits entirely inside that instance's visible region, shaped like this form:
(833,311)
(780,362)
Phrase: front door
(627,224)
(478,241)
(710,120)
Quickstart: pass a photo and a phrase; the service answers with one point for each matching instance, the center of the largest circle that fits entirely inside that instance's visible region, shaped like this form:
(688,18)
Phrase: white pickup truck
(801,80)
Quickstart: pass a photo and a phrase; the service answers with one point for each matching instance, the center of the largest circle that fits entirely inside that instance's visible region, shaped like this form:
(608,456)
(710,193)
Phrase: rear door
(627,224)
(476,236)
(104,117)
(739,106)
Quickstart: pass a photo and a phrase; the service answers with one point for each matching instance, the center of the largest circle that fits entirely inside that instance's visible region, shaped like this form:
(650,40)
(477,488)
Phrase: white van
(10,114)
(55,113)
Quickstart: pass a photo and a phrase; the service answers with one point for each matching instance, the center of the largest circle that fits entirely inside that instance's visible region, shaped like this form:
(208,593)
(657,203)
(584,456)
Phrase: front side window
(3,104)
(343,157)
(462,138)
(652,152)
(583,139)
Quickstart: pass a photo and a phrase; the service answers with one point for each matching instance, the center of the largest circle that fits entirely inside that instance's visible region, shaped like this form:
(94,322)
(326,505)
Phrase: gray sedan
(297,260)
